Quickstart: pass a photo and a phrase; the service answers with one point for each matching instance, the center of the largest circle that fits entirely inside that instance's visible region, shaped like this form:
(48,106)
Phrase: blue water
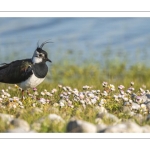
(76,39)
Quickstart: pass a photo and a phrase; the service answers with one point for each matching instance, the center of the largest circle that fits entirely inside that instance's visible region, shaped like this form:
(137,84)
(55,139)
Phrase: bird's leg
(28,92)
(22,94)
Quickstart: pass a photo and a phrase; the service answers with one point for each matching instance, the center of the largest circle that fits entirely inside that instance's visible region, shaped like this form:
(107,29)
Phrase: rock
(125,127)
(36,126)
(99,121)
(111,117)
(100,109)
(6,117)
(51,118)
(19,130)
(53,109)
(54,117)
(20,123)
(36,110)
(107,116)
(139,118)
(81,126)
(101,127)
(146,129)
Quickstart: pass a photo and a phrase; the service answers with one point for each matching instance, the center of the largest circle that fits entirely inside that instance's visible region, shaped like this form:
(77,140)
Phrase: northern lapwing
(26,73)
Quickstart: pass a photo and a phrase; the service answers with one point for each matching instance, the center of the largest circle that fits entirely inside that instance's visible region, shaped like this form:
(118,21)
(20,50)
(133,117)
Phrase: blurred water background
(78,40)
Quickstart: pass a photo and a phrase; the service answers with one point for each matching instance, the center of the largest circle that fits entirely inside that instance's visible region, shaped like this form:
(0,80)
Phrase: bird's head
(40,55)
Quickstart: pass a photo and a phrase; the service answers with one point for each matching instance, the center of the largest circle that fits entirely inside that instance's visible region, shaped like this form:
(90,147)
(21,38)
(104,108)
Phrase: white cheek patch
(36,60)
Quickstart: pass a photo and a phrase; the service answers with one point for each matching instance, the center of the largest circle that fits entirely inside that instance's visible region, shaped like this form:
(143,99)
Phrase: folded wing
(16,71)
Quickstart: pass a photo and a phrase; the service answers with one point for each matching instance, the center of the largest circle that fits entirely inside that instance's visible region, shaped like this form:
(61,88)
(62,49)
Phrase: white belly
(32,82)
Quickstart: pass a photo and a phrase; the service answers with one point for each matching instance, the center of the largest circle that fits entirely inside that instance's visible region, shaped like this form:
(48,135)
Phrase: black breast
(40,69)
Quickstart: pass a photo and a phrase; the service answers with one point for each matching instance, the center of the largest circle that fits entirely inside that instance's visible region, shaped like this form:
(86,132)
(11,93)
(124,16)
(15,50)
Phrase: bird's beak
(48,60)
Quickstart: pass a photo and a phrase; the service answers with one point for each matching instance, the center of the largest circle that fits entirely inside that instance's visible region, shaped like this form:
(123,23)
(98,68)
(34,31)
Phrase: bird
(26,73)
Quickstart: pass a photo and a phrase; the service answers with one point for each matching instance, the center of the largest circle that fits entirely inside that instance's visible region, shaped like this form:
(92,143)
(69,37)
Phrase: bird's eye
(40,55)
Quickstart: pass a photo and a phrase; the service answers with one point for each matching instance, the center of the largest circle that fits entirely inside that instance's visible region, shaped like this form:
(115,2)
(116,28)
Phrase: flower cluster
(65,96)
(70,97)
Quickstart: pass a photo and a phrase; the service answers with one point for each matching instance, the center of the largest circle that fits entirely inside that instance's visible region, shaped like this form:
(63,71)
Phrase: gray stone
(101,127)
(100,109)
(6,117)
(111,117)
(139,118)
(36,110)
(99,121)
(125,127)
(51,118)
(81,126)
(107,116)
(146,129)
(36,126)
(20,123)
(54,117)
(19,130)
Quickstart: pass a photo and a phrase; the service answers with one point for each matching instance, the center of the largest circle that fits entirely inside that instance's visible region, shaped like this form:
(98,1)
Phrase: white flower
(54,91)
(45,90)
(16,98)
(61,104)
(85,87)
(14,106)
(104,84)
(120,87)
(3,96)
(42,100)
(125,99)
(112,87)
(105,93)
(98,91)
(60,86)
(81,95)
(91,95)
(64,88)
(102,102)
(143,106)
(97,98)
(82,101)
(48,94)
(42,93)
(36,93)
(128,91)
(122,92)
(93,91)
(21,106)
(11,99)
(141,90)
(132,83)
(93,100)
(68,88)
